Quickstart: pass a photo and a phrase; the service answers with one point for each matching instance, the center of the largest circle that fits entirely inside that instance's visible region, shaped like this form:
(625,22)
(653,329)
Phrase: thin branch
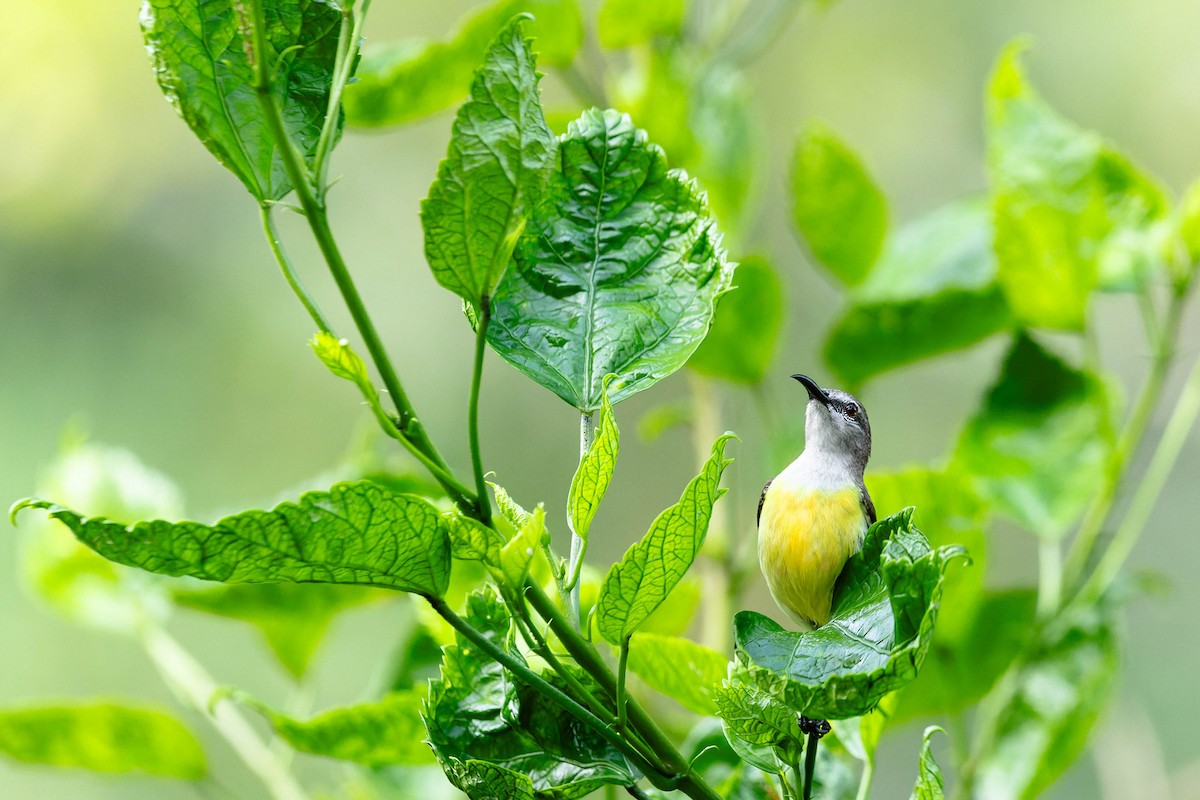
(483,504)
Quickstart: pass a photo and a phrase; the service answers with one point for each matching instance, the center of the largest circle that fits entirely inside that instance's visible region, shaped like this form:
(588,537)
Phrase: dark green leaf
(490,732)
(102,737)
(1045,714)
(200,59)
(762,730)
(293,617)
(617,272)
(884,609)
(1070,212)
(742,340)
(356,533)
(679,668)
(929,776)
(1038,448)
(637,584)
(837,208)
(386,732)
(405,81)
(595,471)
(499,157)
(933,291)
(622,23)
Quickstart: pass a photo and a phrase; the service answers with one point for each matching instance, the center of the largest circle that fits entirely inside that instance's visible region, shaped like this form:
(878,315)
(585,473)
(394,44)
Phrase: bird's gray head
(836,424)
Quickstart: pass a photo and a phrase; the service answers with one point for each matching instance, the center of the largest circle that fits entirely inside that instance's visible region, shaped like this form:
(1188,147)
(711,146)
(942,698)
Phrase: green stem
(348,47)
(797,778)
(289,272)
(864,783)
(810,764)
(622,665)
(483,504)
(192,683)
(587,432)
(1187,407)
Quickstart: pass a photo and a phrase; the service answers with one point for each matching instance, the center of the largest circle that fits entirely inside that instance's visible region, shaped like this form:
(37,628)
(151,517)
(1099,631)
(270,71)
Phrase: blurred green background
(138,301)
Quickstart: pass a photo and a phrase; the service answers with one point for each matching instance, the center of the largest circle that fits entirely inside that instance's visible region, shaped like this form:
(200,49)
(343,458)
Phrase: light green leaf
(679,668)
(499,157)
(386,732)
(292,617)
(622,23)
(471,540)
(356,533)
(405,81)
(662,418)
(510,509)
(617,272)
(749,318)
(884,608)
(1189,226)
(102,737)
(518,553)
(1039,446)
(1044,715)
(339,359)
(675,615)
(929,777)
(637,584)
(838,209)
(595,471)
(933,291)
(495,737)
(760,728)
(1071,213)
(200,58)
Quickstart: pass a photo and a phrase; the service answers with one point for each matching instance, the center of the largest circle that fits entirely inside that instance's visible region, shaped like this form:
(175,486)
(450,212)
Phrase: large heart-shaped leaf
(617,272)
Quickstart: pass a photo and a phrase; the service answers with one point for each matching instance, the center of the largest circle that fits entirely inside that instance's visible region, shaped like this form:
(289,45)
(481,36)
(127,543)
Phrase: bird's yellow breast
(804,540)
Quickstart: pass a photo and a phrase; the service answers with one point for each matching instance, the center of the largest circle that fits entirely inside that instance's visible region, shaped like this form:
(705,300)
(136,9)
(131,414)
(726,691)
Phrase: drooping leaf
(102,737)
(617,272)
(1071,213)
(884,608)
(749,318)
(338,357)
(622,23)
(837,207)
(496,165)
(1038,447)
(679,668)
(292,617)
(595,471)
(356,533)
(929,777)
(1045,714)
(386,732)
(200,54)
(405,81)
(497,738)
(637,584)
(933,291)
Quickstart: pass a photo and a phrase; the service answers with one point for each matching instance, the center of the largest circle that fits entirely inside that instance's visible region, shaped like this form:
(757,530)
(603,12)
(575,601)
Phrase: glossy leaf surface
(637,584)
(200,56)
(356,533)
(617,271)
(884,609)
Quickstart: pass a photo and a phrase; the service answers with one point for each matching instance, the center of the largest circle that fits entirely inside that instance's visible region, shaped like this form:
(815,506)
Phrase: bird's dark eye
(852,410)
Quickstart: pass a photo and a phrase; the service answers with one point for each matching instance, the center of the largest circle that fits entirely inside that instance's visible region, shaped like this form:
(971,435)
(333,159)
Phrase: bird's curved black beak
(815,392)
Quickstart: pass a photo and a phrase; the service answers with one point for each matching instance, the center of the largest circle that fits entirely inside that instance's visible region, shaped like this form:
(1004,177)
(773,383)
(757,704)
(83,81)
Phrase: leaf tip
(22,504)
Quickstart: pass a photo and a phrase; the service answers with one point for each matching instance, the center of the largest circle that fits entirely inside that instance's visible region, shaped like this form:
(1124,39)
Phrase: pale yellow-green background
(138,299)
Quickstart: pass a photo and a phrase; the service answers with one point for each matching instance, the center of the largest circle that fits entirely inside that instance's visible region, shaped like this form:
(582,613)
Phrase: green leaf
(499,157)
(1044,716)
(1189,226)
(340,360)
(929,777)
(884,608)
(637,584)
(292,617)
(199,52)
(933,291)
(679,668)
(405,81)
(471,540)
(383,733)
(510,509)
(675,615)
(102,737)
(838,209)
(595,471)
(617,272)
(356,533)
(1039,446)
(518,553)
(760,728)
(1071,213)
(490,732)
(622,23)
(749,318)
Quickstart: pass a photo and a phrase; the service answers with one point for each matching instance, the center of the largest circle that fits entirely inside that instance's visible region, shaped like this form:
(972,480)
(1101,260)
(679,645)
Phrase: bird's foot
(813,727)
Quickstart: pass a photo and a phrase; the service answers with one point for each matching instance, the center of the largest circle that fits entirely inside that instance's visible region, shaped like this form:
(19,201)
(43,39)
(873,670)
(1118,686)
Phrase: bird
(814,515)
